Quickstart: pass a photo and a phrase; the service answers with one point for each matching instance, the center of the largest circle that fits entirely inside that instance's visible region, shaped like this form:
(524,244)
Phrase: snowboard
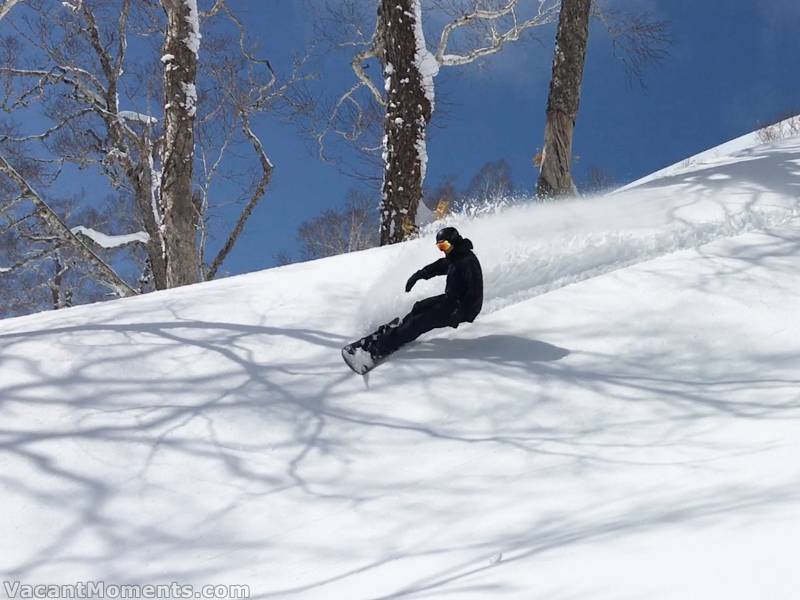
(359,359)
(359,356)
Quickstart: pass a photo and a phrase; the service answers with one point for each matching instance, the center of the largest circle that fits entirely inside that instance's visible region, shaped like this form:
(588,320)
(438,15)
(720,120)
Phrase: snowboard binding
(367,353)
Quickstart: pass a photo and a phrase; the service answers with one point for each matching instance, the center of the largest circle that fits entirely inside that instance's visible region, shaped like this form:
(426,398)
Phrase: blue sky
(733,65)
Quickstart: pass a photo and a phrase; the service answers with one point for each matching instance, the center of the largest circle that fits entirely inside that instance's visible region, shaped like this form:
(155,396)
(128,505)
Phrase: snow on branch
(503,25)
(7,6)
(111,241)
(130,115)
(487,24)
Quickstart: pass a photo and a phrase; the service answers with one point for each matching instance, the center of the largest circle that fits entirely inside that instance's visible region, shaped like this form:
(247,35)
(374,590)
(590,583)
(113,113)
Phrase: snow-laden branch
(500,31)
(494,27)
(122,38)
(7,6)
(111,241)
(130,115)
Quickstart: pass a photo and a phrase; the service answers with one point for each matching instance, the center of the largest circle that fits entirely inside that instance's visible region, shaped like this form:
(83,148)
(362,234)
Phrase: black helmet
(449,234)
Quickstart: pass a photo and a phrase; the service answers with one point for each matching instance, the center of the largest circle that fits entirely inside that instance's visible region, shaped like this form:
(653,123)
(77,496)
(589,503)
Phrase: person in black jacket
(461,302)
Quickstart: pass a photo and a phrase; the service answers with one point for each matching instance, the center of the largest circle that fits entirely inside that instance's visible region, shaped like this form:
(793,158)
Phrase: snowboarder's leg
(427,304)
(370,342)
(420,320)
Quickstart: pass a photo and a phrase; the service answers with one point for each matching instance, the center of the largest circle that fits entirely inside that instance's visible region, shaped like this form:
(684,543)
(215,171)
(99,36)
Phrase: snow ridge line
(598,247)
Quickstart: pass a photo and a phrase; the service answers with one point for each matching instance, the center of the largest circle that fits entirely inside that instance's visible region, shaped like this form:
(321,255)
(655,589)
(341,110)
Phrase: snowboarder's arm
(432,270)
(438,267)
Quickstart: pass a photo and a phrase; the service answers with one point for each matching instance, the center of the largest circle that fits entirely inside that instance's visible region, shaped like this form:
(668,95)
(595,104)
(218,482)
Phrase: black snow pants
(427,314)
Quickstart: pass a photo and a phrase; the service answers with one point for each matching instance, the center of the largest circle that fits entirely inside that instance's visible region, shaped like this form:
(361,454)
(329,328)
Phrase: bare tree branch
(498,34)
(7,6)
(638,40)
(54,222)
(266,167)
(219,5)
(55,128)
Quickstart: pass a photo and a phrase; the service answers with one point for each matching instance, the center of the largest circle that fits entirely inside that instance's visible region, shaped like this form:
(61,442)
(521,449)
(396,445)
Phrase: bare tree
(442,199)
(787,124)
(563,101)
(638,39)
(337,231)
(161,144)
(597,181)
(492,181)
(368,115)
(473,29)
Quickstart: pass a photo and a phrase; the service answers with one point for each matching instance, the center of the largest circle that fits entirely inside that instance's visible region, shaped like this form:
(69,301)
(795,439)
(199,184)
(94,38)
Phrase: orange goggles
(444,245)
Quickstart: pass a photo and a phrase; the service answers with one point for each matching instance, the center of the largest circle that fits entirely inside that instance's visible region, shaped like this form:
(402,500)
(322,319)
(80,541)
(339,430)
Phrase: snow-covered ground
(621,422)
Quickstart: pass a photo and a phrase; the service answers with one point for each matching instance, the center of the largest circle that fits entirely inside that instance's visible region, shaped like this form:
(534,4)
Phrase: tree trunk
(147,199)
(408,111)
(62,295)
(555,177)
(180,74)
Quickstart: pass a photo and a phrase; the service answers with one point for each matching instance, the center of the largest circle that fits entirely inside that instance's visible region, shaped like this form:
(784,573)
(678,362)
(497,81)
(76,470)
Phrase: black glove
(411,281)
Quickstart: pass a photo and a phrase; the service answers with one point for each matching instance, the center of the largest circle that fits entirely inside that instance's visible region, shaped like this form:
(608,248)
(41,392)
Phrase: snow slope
(621,422)
(731,151)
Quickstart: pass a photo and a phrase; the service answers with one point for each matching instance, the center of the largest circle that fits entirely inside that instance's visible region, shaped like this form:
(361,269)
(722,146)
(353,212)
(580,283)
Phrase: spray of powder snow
(530,249)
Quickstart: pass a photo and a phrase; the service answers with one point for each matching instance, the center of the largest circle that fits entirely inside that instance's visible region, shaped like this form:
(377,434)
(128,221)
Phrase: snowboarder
(461,302)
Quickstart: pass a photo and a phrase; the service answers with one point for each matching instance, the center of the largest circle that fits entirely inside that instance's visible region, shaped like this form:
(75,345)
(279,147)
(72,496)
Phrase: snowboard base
(358,359)
(357,356)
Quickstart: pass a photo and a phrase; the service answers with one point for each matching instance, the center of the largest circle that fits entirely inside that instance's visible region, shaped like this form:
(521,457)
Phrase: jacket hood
(461,247)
